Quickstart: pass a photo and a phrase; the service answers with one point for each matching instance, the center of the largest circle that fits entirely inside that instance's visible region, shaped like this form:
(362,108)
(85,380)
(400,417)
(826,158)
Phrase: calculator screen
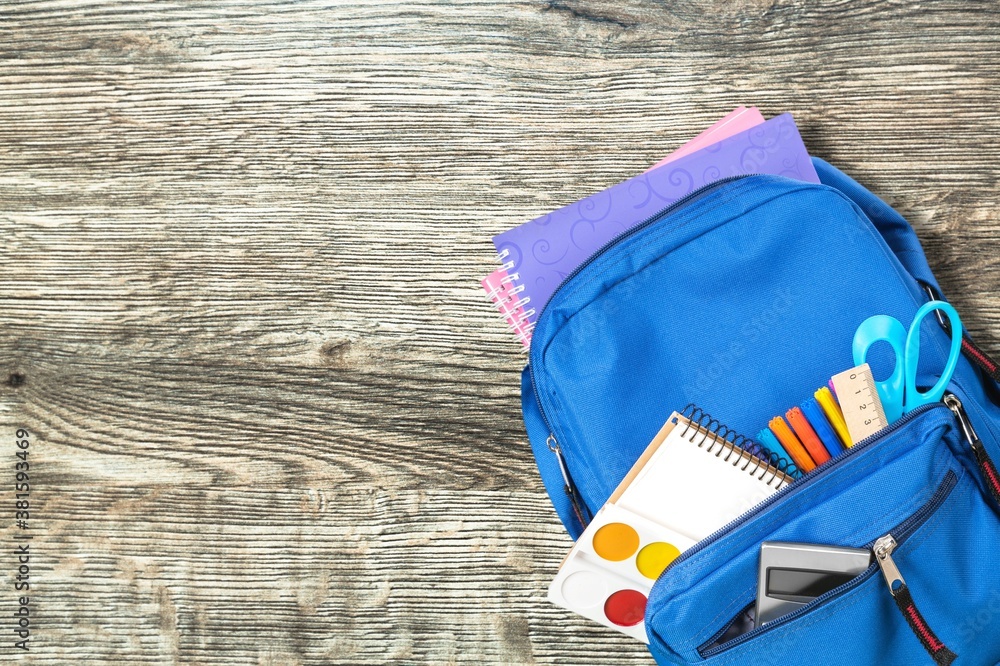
(801,586)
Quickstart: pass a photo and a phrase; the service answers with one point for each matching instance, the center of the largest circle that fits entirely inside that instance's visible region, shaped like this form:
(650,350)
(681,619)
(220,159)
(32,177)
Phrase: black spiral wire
(720,439)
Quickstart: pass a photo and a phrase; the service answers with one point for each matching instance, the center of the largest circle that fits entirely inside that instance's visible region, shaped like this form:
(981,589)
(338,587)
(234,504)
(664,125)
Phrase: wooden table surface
(272,417)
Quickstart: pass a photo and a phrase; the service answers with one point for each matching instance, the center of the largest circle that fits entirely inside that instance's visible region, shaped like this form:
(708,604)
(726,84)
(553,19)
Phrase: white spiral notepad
(695,482)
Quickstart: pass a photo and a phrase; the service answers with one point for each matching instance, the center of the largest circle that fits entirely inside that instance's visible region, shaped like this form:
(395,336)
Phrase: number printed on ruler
(860,403)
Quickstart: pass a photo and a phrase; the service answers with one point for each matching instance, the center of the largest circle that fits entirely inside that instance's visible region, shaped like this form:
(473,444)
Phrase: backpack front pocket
(841,596)
(910,487)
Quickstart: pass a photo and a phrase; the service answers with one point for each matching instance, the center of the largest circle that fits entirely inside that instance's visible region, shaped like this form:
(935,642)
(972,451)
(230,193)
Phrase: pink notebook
(741,118)
(501,290)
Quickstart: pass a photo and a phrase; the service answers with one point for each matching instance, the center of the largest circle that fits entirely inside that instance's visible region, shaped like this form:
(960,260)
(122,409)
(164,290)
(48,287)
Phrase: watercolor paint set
(608,575)
(689,482)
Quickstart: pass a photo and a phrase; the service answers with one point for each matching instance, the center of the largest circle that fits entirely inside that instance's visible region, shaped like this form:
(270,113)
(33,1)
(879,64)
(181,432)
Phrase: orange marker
(792,444)
(814,446)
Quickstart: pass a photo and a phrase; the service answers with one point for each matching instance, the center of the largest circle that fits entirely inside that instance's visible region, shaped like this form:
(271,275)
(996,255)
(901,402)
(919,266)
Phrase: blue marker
(767,438)
(814,414)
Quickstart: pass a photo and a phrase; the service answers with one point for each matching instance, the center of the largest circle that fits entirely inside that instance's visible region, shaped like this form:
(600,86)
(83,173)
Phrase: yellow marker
(832,410)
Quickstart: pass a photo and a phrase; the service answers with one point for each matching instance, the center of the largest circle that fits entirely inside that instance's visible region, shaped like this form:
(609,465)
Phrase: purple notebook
(539,254)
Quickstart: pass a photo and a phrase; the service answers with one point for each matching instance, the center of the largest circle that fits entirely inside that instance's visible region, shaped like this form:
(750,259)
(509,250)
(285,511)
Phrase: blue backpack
(742,298)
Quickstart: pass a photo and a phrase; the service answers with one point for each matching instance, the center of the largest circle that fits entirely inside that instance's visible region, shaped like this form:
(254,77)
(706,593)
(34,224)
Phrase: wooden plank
(273,419)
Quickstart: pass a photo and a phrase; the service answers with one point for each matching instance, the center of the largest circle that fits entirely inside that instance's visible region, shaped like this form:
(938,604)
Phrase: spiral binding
(512,279)
(721,439)
(502,256)
(516,315)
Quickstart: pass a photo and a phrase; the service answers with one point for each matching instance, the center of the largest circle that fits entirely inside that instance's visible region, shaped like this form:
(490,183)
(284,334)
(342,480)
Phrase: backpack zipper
(883,549)
(580,506)
(986,467)
(580,509)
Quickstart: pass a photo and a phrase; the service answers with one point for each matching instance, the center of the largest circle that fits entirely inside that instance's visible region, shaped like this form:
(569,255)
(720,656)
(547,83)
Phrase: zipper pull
(986,466)
(883,555)
(883,550)
(568,486)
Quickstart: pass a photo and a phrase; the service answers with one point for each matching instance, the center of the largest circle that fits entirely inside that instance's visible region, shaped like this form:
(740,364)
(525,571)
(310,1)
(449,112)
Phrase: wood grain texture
(274,419)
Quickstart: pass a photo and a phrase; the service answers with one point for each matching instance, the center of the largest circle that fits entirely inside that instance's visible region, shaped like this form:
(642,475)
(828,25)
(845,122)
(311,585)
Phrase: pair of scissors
(899,393)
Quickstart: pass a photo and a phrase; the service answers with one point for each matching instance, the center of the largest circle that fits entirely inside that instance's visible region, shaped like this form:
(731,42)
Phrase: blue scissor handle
(913,397)
(883,328)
